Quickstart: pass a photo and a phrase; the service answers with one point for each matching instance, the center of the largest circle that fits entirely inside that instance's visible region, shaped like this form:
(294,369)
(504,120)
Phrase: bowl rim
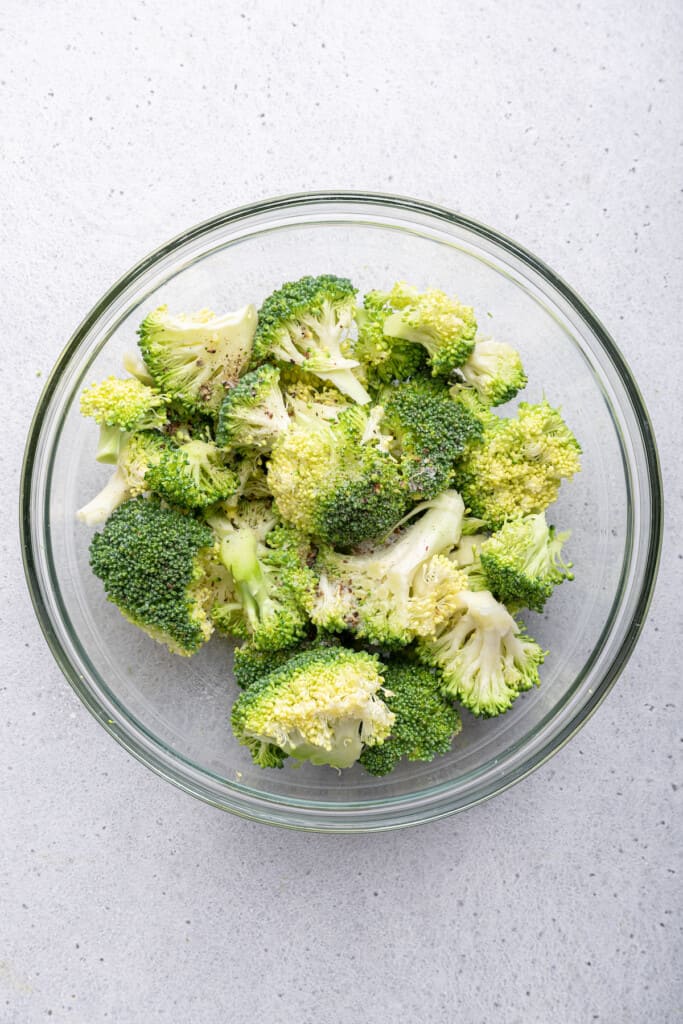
(348,818)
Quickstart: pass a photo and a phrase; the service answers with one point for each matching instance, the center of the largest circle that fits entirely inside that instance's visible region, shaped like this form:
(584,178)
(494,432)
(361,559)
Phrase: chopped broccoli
(251,664)
(385,360)
(442,325)
(517,465)
(152,561)
(399,591)
(320,706)
(522,563)
(137,455)
(253,413)
(120,406)
(306,322)
(194,359)
(331,478)
(425,720)
(494,370)
(192,475)
(484,658)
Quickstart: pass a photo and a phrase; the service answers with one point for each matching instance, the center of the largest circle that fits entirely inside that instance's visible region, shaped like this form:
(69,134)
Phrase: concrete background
(124,900)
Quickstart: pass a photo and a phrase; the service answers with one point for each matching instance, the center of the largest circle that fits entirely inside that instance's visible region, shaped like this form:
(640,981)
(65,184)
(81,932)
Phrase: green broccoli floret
(442,325)
(121,406)
(430,431)
(399,591)
(192,475)
(253,413)
(483,656)
(306,322)
(333,480)
(137,455)
(522,563)
(194,359)
(494,370)
(321,706)
(384,360)
(425,720)
(251,664)
(153,562)
(517,465)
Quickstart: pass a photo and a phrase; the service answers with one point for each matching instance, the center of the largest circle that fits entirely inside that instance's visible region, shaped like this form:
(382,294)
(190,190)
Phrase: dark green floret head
(152,560)
(192,475)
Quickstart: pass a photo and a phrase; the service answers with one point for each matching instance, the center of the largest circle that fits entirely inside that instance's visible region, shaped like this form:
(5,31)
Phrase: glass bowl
(173,713)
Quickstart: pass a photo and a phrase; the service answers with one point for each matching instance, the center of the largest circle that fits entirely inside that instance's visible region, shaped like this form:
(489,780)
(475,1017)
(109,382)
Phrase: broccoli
(251,664)
(521,563)
(134,364)
(192,475)
(331,478)
(515,468)
(430,432)
(194,359)
(305,322)
(137,455)
(384,360)
(119,406)
(321,706)
(253,413)
(426,721)
(494,370)
(399,591)
(442,325)
(153,561)
(483,656)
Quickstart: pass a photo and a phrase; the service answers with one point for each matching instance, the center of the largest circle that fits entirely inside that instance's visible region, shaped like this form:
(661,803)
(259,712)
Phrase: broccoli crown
(425,720)
(518,464)
(494,370)
(320,706)
(126,404)
(399,591)
(253,413)
(442,325)
(152,562)
(385,360)
(483,657)
(522,562)
(194,359)
(331,479)
(192,475)
(251,664)
(430,432)
(306,323)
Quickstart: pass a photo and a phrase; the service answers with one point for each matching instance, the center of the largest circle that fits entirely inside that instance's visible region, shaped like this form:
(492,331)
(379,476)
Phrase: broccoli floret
(483,656)
(518,464)
(442,325)
(399,591)
(251,664)
(384,360)
(430,432)
(425,720)
(306,322)
(152,561)
(120,406)
(494,370)
(522,562)
(194,359)
(137,455)
(321,706)
(333,480)
(193,475)
(253,413)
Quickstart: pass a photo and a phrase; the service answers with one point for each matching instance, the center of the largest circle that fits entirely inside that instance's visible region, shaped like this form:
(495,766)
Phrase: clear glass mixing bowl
(173,713)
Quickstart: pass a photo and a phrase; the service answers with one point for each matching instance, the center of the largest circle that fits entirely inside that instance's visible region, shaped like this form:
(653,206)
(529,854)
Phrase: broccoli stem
(109,444)
(103,504)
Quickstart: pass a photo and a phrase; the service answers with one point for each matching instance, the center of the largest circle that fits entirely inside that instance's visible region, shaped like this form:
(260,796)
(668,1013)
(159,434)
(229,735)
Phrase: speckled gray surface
(124,900)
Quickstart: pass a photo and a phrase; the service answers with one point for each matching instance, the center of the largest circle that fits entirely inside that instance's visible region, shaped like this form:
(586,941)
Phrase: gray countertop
(124,900)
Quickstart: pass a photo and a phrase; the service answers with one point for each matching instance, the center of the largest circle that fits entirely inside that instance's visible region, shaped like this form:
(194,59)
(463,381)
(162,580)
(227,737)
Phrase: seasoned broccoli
(515,468)
(399,591)
(194,359)
(425,720)
(384,360)
(430,431)
(153,563)
(306,322)
(522,562)
(442,325)
(137,455)
(483,656)
(253,413)
(192,475)
(333,480)
(494,370)
(321,706)
(119,406)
